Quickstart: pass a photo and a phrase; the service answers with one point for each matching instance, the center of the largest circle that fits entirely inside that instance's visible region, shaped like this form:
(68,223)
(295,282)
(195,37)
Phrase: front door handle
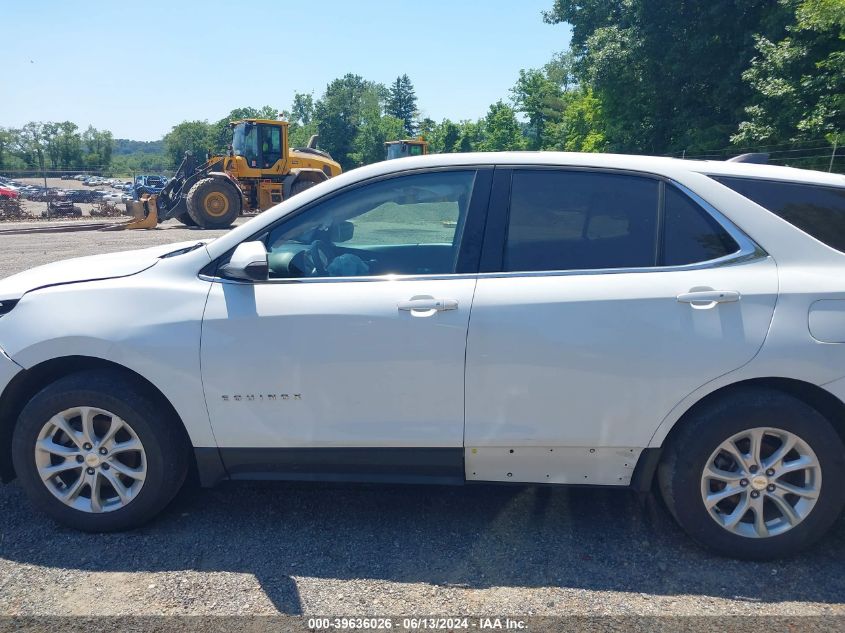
(708,298)
(428,304)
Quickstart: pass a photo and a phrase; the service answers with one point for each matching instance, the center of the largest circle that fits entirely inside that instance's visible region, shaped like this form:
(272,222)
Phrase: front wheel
(213,203)
(96,453)
(756,475)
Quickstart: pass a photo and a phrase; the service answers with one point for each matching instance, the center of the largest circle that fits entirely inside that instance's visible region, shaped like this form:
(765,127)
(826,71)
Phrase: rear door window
(578,220)
(691,235)
(815,209)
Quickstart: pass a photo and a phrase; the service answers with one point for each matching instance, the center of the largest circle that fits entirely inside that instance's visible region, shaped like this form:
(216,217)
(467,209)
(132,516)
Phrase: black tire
(680,473)
(213,203)
(162,437)
(186,219)
(301,185)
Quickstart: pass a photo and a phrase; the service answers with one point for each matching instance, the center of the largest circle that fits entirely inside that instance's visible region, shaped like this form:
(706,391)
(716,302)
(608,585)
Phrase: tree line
(55,146)
(665,77)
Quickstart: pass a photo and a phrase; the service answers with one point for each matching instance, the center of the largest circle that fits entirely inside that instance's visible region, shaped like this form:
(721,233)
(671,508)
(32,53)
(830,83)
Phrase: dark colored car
(61,209)
(82,195)
(148,185)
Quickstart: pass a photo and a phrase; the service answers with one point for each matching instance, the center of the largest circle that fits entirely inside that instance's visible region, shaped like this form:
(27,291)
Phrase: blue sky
(137,68)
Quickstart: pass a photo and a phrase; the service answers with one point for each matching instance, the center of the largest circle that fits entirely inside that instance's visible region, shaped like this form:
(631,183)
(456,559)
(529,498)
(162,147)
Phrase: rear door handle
(427,304)
(708,298)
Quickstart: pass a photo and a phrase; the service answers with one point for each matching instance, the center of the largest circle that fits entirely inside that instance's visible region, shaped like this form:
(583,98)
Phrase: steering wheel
(317,258)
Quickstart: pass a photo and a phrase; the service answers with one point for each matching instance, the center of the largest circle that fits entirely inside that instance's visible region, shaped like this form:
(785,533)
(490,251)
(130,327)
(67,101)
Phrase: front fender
(152,329)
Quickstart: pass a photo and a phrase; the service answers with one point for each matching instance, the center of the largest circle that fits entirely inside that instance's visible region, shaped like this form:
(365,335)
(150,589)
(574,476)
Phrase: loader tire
(301,185)
(213,204)
(186,219)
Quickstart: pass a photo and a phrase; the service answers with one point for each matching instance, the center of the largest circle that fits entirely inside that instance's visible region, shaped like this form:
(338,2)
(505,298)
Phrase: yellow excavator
(259,171)
(406,147)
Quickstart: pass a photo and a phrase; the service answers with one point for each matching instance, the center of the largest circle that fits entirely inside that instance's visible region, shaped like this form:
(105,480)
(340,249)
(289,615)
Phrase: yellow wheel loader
(259,171)
(406,147)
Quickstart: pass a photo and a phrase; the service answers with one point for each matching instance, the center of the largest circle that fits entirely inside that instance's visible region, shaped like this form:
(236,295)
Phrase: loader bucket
(144,214)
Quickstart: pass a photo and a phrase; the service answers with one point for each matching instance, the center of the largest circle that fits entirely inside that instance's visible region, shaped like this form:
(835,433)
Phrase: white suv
(534,318)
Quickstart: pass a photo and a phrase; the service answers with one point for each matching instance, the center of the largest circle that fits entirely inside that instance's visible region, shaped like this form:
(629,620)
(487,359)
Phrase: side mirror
(341,232)
(248,263)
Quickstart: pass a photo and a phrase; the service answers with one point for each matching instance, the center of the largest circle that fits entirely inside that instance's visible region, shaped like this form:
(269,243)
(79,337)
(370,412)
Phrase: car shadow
(475,536)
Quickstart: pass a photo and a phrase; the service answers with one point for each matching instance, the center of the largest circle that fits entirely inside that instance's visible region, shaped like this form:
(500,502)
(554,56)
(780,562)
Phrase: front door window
(409,225)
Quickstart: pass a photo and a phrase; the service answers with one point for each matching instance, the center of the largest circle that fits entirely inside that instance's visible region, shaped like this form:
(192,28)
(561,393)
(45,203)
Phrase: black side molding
(443,466)
(362,465)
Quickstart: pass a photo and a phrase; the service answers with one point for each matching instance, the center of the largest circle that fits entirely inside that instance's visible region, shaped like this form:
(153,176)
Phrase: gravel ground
(26,244)
(254,548)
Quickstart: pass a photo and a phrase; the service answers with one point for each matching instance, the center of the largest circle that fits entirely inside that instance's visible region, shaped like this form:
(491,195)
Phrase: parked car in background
(8,192)
(61,209)
(115,196)
(81,195)
(38,194)
(538,318)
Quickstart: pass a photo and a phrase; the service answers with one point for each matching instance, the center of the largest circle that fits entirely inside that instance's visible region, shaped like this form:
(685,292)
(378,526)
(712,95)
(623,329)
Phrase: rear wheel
(213,203)
(96,453)
(301,185)
(756,475)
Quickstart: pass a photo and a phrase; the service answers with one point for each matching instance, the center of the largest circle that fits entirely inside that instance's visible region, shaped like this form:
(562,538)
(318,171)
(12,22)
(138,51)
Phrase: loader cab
(408,147)
(261,143)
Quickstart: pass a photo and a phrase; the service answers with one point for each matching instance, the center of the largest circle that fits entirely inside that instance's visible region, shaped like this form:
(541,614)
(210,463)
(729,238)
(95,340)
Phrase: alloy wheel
(761,482)
(90,459)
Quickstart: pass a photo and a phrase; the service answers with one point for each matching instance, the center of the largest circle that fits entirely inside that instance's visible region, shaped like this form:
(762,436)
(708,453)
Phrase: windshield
(245,142)
(394,150)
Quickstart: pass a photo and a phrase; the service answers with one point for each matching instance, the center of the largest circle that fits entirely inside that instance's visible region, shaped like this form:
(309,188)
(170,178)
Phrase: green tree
(580,127)
(471,136)
(49,138)
(69,144)
(9,160)
(402,103)
(5,142)
(302,122)
(667,74)
(426,127)
(98,148)
(198,137)
(338,114)
(799,81)
(373,130)
(30,146)
(501,129)
(539,99)
(443,137)
(302,111)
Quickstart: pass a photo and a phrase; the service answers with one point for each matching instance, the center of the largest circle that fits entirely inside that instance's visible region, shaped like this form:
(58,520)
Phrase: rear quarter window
(817,210)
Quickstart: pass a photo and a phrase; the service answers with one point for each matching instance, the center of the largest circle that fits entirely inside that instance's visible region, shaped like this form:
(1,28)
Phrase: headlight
(7,305)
